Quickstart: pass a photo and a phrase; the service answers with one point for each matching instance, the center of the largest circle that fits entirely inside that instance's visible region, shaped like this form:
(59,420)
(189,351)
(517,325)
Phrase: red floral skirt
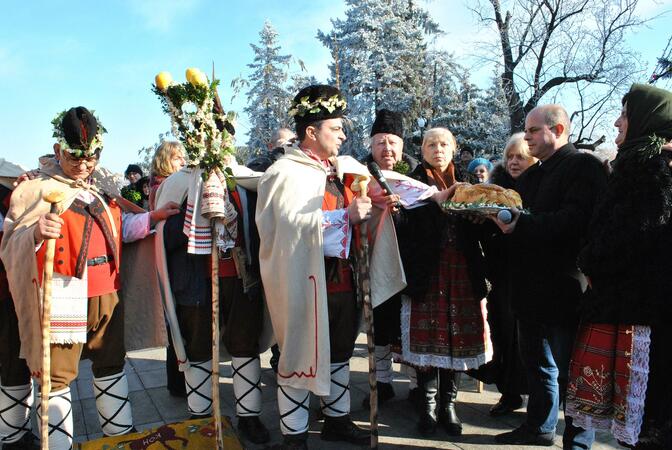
(608,377)
(447,327)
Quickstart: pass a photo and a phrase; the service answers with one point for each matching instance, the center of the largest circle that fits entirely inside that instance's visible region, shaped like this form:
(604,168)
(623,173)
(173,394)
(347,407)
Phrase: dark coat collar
(559,156)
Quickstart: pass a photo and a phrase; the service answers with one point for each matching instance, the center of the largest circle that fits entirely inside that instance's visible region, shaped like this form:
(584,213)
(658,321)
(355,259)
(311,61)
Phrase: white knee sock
(293,409)
(337,403)
(247,385)
(15,405)
(114,407)
(61,427)
(198,379)
(383,363)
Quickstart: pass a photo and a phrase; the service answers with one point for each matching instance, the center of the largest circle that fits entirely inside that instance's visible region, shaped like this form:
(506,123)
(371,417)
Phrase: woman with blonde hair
(442,323)
(168,159)
(506,368)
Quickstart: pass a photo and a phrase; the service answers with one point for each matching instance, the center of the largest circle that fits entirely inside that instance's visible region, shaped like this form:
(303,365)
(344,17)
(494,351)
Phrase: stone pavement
(153,406)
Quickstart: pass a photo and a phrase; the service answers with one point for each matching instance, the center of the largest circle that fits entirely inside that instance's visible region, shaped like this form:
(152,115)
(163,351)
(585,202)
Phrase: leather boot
(428,384)
(448,397)
(253,429)
(344,429)
(294,442)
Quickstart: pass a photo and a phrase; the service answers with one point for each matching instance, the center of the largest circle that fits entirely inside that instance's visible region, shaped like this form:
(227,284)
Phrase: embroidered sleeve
(134,226)
(337,233)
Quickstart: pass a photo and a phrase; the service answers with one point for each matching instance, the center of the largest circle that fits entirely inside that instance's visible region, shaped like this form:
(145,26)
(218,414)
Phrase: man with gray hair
(559,191)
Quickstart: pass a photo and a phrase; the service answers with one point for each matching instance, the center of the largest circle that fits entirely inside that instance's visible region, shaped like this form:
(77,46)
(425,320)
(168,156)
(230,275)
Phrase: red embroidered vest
(86,234)
(337,196)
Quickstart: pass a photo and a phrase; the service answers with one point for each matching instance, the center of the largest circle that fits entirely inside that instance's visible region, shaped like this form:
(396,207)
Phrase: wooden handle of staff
(365,287)
(54,198)
(216,411)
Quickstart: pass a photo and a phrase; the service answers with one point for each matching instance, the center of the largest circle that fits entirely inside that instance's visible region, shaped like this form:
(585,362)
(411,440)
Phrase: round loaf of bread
(490,194)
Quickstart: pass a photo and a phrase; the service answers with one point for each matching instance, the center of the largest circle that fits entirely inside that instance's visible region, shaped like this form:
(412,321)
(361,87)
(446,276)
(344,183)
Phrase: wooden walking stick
(54,198)
(365,290)
(216,412)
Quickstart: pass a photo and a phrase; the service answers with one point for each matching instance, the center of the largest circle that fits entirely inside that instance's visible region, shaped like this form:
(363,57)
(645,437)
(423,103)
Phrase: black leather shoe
(293,442)
(252,429)
(343,429)
(506,405)
(385,393)
(27,442)
(524,436)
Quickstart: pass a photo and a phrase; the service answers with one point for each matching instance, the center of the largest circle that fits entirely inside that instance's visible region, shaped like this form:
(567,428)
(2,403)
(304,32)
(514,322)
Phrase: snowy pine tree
(268,99)
(379,55)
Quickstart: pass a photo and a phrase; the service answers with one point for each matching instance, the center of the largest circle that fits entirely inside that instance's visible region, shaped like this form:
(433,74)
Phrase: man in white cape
(305,214)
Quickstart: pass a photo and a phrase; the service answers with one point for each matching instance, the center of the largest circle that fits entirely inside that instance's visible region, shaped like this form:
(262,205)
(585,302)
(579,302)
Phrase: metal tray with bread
(481,200)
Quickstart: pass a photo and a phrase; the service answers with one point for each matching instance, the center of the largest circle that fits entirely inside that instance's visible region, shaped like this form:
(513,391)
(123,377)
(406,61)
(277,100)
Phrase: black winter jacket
(560,195)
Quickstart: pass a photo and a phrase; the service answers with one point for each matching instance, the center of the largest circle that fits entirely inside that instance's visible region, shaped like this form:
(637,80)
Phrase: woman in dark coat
(505,369)
(619,375)
(442,322)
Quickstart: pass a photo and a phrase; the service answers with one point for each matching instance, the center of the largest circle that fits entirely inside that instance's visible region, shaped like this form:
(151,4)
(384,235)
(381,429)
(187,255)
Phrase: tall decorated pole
(200,123)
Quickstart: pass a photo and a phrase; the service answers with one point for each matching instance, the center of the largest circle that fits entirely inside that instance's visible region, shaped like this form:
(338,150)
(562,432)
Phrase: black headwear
(388,122)
(133,168)
(649,113)
(317,102)
(79,128)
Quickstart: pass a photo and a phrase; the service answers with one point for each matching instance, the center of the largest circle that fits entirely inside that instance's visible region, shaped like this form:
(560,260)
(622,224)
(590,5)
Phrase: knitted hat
(388,122)
(479,162)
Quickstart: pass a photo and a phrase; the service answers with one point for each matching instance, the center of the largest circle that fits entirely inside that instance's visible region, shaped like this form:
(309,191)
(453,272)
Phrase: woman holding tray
(442,319)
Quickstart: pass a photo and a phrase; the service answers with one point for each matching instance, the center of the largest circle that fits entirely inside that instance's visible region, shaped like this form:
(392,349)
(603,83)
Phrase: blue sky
(104,55)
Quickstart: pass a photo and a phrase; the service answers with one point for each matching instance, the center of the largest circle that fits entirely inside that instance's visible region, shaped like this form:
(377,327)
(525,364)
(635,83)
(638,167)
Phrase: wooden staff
(54,198)
(216,412)
(365,289)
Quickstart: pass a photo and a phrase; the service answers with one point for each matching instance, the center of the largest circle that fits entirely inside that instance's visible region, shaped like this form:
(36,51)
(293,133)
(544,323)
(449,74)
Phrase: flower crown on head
(305,106)
(95,146)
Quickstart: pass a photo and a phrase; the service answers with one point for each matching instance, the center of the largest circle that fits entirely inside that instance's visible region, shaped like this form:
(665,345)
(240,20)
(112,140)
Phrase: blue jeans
(546,351)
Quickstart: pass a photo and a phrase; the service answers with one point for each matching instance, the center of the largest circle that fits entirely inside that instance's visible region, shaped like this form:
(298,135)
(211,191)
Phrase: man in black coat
(559,192)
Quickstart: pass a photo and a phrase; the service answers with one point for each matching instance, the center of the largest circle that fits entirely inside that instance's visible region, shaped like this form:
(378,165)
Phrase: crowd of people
(574,287)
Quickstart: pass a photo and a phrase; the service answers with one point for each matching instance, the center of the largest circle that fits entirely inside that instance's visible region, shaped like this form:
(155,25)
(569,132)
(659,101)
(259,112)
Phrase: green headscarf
(649,112)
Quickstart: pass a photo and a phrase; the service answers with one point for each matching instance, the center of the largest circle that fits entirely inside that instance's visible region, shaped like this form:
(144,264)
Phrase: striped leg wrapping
(15,405)
(247,385)
(383,363)
(337,403)
(114,408)
(199,388)
(61,427)
(293,409)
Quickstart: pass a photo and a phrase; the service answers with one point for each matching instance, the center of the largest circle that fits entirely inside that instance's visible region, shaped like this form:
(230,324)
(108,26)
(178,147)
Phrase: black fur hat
(317,102)
(133,168)
(79,128)
(388,122)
